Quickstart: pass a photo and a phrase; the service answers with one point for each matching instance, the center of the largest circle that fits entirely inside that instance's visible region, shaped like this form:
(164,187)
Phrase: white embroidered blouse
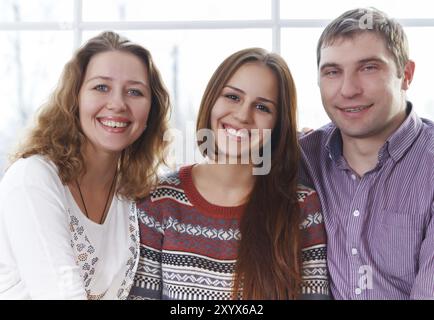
(50,250)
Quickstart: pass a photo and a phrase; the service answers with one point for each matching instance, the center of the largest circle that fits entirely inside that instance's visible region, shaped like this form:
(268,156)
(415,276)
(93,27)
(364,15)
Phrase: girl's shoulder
(170,178)
(170,186)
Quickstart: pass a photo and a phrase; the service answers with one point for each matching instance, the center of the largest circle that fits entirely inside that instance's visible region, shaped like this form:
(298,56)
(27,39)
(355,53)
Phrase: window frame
(275,23)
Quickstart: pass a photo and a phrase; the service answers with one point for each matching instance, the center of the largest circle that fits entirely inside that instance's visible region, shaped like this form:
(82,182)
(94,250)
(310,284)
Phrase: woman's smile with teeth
(114,124)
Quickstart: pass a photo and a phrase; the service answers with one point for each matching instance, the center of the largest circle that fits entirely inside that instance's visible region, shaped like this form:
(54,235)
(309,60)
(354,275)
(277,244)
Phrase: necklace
(106,201)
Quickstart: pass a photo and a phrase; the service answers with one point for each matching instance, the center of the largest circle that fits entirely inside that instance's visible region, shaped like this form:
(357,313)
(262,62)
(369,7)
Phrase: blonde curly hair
(59,137)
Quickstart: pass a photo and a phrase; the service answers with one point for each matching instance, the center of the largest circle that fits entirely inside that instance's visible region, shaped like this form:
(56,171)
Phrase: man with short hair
(373,166)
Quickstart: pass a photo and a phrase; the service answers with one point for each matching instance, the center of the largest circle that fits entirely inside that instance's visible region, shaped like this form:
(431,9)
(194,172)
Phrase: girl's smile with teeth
(238,133)
(243,110)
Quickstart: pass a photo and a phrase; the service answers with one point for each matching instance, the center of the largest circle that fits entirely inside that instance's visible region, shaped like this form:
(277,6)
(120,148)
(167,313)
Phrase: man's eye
(331,73)
(369,68)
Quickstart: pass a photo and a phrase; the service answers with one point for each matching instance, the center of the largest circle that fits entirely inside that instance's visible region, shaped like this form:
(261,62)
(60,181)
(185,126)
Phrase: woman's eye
(101,87)
(232,97)
(135,92)
(263,108)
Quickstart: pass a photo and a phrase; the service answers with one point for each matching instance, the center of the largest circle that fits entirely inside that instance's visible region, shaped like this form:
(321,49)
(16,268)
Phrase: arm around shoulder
(315,281)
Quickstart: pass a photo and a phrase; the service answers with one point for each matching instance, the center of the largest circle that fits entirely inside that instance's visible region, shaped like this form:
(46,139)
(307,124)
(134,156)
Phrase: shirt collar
(334,144)
(403,138)
(396,146)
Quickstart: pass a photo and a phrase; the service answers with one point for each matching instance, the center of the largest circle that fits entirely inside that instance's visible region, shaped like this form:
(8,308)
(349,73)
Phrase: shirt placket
(360,272)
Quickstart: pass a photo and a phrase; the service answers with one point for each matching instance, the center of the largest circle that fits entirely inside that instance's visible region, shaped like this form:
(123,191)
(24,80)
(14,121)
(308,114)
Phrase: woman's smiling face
(114,100)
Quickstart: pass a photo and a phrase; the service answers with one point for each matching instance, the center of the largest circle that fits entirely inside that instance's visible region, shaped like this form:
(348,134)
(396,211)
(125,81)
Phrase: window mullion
(77,23)
(275,17)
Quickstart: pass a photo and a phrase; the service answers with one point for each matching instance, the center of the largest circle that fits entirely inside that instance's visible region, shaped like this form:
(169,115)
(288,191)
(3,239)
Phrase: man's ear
(408,74)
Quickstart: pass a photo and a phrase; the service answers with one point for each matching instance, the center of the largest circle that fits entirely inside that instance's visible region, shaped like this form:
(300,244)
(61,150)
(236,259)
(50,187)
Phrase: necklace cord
(106,201)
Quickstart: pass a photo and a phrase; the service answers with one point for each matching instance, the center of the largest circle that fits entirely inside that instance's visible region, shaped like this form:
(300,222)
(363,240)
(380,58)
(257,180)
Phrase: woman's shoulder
(35,169)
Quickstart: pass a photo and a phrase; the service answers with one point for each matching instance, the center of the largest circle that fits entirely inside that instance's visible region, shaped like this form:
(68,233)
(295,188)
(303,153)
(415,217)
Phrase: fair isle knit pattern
(188,247)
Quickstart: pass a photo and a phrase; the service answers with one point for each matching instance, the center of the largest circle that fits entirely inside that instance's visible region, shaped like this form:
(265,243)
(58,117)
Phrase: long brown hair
(58,136)
(268,263)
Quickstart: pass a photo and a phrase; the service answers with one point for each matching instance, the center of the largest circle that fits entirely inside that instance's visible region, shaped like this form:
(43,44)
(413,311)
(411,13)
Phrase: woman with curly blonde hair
(66,229)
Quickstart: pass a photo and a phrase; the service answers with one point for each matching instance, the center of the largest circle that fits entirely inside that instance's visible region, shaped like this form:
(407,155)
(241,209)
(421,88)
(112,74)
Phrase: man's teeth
(237,133)
(114,124)
(358,109)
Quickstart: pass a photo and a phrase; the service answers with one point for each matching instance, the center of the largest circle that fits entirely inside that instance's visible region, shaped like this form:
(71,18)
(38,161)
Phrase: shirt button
(356,213)
(358,291)
(353,176)
(354,251)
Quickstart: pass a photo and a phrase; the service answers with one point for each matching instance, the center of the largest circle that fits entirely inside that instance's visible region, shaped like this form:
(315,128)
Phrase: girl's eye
(263,108)
(101,88)
(135,92)
(232,97)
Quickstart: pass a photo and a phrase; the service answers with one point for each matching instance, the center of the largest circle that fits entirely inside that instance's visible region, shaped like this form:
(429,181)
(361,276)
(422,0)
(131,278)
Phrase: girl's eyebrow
(258,98)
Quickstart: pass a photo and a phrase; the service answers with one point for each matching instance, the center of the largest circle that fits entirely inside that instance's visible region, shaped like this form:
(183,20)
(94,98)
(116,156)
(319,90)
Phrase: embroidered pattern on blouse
(85,252)
(87,260)
(132,262)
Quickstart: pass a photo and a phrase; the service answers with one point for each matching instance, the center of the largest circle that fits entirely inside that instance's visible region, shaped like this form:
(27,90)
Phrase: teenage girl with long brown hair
(225,229)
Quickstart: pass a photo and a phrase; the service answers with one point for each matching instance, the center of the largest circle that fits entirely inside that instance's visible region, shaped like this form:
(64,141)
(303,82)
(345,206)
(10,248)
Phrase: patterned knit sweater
(188,246)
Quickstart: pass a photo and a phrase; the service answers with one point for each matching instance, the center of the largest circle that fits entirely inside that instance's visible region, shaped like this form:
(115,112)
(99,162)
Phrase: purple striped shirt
(380,227)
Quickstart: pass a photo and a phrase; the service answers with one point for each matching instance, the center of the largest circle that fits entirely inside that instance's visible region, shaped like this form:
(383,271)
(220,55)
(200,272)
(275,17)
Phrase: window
(188,39)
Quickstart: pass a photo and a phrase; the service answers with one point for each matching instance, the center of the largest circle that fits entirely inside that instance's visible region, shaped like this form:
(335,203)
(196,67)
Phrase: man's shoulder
(317,135)
(428,128)
(314,142)
(426,137)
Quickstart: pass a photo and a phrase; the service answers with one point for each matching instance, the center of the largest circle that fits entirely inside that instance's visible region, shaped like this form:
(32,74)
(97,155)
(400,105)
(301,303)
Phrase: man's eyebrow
(362,61)
(371,59)
(329,65)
